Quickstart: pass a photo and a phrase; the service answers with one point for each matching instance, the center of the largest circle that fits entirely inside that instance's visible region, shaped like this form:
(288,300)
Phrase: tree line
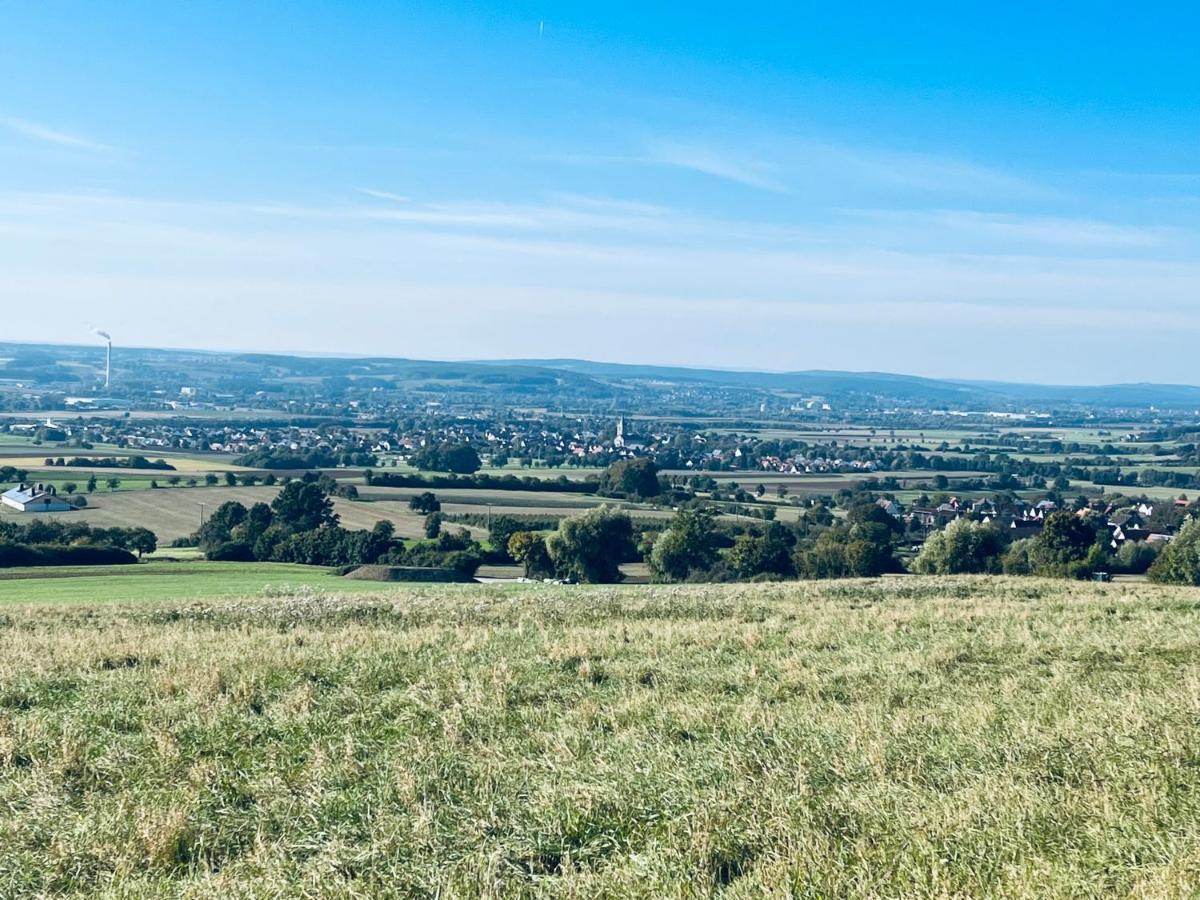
(693,547)
(300,526)
(57,543)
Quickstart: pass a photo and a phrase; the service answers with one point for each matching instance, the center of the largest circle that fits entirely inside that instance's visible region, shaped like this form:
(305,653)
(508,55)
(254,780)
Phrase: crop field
(483,496)
(904,737)
(391,466)
(822,482)
(184,465)
(1156,493)
(175,512)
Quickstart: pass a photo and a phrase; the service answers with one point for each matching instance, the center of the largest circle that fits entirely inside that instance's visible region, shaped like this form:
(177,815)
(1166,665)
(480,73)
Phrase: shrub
(59,555)
(231,551)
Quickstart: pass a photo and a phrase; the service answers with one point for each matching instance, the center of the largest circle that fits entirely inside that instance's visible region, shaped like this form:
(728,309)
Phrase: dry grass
(950,738)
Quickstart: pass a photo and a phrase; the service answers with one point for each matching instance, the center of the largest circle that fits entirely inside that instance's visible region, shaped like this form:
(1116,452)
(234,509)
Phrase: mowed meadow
(904,737)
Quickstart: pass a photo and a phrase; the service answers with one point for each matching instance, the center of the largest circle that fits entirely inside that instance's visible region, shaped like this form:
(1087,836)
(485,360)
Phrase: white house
(34,498)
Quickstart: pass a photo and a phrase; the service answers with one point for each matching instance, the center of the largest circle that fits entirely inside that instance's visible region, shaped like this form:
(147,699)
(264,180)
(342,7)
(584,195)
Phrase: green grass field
(898,738)
(184,580)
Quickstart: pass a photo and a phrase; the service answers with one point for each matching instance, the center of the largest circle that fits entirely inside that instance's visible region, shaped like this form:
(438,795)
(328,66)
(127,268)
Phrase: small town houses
(1125,524)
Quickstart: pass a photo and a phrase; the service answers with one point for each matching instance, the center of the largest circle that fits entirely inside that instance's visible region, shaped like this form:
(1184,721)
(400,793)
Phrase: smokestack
(107,356)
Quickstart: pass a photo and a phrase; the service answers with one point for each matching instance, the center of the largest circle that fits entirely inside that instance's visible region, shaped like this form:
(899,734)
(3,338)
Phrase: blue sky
(941,189)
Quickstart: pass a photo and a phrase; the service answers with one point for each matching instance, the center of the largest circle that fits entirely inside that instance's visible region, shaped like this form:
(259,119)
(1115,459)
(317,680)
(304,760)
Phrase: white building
(34,498)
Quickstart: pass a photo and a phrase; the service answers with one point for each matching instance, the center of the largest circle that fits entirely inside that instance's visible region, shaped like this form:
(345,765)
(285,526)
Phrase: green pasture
(196,580)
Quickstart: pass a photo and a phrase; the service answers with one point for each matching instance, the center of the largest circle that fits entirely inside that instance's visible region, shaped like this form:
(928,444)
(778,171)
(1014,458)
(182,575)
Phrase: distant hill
(910,388)
(146,373)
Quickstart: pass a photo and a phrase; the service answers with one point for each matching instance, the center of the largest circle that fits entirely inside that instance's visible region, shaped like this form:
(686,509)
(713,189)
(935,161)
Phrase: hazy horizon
(984,195)
(535,361)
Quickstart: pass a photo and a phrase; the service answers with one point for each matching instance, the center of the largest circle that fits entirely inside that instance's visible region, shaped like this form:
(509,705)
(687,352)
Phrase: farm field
(131,480)
(184,465)
(905,737)
(175,512)
(1156,493)
(154,580)
(482,497)
(547,473)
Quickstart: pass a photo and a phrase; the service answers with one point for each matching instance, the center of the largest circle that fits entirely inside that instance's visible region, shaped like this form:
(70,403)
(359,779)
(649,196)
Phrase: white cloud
(719,164)
(39,132)
(383,195)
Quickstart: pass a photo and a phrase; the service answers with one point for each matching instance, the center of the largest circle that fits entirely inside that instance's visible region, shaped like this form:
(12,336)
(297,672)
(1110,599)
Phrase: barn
(34,498)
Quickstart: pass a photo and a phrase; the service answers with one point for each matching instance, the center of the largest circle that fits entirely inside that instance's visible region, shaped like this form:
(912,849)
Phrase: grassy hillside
(897,738)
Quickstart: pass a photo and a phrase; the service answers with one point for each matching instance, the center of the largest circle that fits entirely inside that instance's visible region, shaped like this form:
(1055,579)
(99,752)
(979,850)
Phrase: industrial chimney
(107,356)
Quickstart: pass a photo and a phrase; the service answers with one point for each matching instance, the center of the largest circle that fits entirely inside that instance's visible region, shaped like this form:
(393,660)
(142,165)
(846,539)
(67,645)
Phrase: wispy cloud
(383,195)
(719,164)
(475,267)
(1002,232)
(39,132)
(798,164)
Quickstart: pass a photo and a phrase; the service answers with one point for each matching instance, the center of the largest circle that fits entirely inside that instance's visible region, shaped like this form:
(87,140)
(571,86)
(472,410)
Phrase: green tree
(211,480)
(1136,557)
(433,525)
(503,528)
(868,557)
(258,519)
(1019,558)
(826,557)
(91,484)
(1179,561)
(635,479)
(142,541)
(303,506)
(1063,545)
(963,547)
(591,547)
(425,502)
(529,549)
(462,459)
(113,483)
(869,512)
(218,528)
(688,546)
(767,553)
(70,487)
(230,479)
(863,550)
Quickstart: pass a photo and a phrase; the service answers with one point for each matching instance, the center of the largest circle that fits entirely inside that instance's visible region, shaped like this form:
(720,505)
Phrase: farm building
(34,498)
